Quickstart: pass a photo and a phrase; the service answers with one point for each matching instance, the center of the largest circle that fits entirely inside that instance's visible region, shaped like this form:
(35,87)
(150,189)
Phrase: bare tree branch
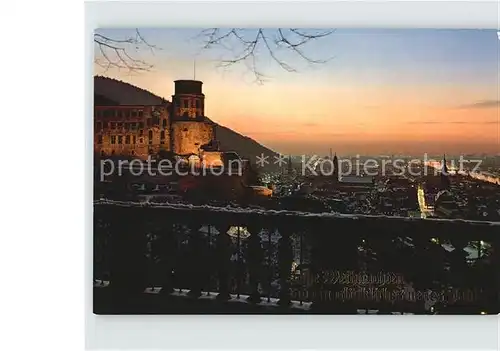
(122,54)
(244,45)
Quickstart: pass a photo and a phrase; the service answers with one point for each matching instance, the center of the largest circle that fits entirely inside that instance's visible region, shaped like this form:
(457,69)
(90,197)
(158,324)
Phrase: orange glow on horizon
(284,116)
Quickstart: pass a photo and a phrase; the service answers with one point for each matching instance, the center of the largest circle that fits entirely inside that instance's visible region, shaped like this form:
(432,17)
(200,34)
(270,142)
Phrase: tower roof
(188,86)
(188,81)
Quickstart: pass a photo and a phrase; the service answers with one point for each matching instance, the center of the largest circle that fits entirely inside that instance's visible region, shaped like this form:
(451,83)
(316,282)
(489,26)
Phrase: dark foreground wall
(148,258)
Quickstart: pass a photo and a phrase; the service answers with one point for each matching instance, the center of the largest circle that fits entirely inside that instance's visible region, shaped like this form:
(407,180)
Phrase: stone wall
(133,131)
(188,137)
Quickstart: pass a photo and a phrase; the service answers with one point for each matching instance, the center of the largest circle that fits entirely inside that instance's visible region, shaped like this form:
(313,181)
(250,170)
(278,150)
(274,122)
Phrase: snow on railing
(270,212)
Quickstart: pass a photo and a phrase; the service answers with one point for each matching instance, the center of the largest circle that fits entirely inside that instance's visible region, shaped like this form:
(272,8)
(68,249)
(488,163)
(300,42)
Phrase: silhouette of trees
(245,46)
(122,54)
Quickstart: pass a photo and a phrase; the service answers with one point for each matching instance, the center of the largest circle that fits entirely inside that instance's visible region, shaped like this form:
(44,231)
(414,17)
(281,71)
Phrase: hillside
(108,91)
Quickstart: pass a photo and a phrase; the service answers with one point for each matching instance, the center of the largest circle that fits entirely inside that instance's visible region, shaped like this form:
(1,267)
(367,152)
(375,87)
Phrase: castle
(179,127)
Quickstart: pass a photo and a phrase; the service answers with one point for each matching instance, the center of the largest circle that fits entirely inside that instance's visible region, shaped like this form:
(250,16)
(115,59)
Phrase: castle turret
(190,128)
(188,100)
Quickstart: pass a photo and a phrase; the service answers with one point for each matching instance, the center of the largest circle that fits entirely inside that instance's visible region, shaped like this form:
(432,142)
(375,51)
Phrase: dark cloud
(482,104)
(453,122)
(297,132)
(424,122)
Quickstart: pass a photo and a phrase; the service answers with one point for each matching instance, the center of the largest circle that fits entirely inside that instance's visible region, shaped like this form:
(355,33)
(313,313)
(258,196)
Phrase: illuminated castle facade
(179,126)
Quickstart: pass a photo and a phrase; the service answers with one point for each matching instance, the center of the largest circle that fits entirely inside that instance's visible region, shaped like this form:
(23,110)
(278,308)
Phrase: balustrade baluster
(102,252)
(196,262)
(128,267)
(495,270)
(223,259)
(209,250)
(459,267)
(301,262)
(285,259)
(270,263)
(168,255)
(254,259)
(315,273)
(238,263)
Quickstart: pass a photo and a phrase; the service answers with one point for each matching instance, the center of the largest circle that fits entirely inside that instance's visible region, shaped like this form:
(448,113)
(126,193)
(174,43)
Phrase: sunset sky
(383,91)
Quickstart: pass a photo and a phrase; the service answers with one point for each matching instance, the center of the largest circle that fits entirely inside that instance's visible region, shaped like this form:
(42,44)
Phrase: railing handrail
(285,213)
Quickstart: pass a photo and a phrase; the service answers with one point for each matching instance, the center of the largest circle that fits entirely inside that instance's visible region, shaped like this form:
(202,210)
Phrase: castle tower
(188,100)
(290,165)
(190,128)
(445,181)
(336,168)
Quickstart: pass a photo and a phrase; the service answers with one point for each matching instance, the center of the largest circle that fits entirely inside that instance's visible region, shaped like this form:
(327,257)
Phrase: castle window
(113,139)
(139,113)
(133,139)
(141,132)
(141,140)
(120,139)
(119,125)
(162,142)
(150,136)
(133,126)
(134,113)
(127,139)
(162,134)
(113,125)
(126,126)
(164,123)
